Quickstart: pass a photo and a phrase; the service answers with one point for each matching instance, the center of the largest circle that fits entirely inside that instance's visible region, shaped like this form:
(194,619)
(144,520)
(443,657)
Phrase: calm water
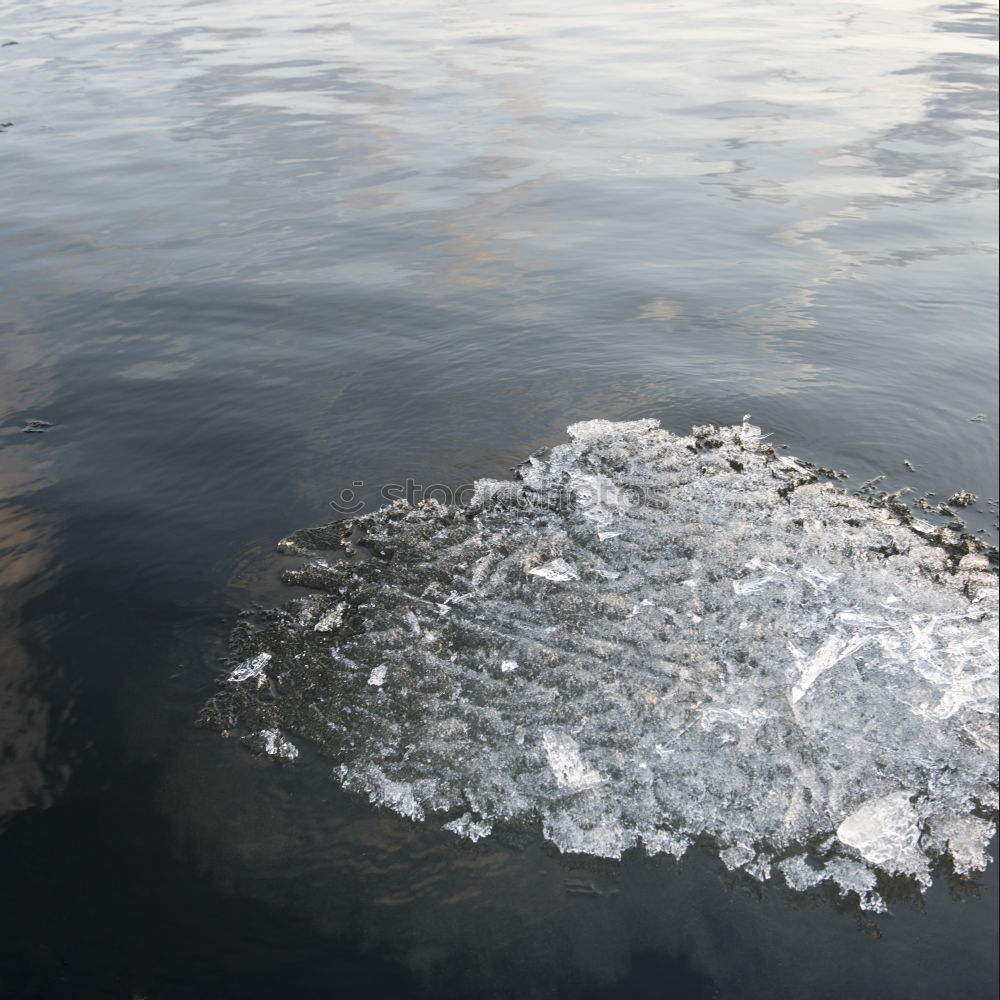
(254,252)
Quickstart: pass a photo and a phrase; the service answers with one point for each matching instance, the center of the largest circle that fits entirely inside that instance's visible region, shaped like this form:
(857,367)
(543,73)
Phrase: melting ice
(649,638)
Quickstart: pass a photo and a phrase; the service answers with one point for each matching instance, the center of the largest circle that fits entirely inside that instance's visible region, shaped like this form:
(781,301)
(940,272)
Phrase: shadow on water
(95,906)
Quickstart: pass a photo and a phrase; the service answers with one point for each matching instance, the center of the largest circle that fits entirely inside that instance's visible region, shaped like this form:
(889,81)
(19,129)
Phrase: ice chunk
(798,873)
(965,839)
(818,579)
(833,650)
(759,867)
(400,796)
(885,832)
(469,827)
(962,498)
(597,496)
(570,772)
(756,659)
(599,431)
(665,842)
(586,824)
(557,570)
(332,619)
(852,876)
(738,716)
(737,856)
(742,587)
(251,667)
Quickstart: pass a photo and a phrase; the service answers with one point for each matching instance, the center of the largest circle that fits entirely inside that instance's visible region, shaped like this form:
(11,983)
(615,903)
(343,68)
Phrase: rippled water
(254,254)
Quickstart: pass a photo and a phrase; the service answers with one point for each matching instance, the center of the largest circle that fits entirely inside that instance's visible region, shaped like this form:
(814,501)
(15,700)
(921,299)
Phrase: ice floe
(648,639)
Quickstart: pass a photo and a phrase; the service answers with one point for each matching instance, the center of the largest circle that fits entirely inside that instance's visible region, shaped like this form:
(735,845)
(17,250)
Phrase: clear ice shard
(250,667)
(648,639)
(885,832)
(469,827)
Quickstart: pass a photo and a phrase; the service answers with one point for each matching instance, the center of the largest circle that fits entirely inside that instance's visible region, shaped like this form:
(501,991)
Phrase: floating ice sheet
(648,639)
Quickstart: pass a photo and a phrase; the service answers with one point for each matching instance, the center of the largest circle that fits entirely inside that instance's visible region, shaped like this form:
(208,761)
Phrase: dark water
(255,252)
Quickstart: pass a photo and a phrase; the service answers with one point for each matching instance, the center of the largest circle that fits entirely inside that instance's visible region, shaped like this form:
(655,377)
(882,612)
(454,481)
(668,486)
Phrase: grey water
(254,255)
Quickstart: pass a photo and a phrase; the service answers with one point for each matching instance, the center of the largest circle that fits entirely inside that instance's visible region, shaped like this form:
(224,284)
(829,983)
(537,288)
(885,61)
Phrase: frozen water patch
(650,639)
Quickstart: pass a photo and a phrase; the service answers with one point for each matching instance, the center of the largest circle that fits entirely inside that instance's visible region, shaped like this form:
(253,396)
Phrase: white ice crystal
(250,667)
(885,832)
(469,827)
(332,619)
(798,873)
(965,838)
(568,769)
(651,639)
(557,570)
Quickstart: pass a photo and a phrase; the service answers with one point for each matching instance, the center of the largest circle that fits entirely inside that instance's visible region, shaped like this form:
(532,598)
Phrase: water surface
(253,253)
